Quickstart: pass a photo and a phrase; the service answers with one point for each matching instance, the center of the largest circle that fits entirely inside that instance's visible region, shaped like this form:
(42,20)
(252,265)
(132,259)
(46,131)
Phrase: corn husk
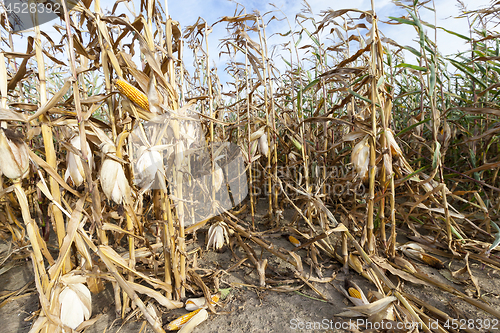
(415,251)
(149,163)
(15,159)
(360,158)
(179,322)
(75,301)
(195,321)
(370,309)
(218,178)
(199,303)
(74,168)
(113,181)
(216,236)
(395,150)
(263,146)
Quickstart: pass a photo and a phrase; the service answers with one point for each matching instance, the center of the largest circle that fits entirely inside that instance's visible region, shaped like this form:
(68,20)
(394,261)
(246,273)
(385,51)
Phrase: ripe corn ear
(294,241)
(133,94)
(176,324)
(354,293)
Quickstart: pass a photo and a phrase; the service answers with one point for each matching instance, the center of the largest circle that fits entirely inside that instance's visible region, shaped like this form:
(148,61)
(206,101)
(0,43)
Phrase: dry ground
(246,308)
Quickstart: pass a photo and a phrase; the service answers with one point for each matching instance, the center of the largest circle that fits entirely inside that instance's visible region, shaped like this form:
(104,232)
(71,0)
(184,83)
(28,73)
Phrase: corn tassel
(133,94)
(176,324)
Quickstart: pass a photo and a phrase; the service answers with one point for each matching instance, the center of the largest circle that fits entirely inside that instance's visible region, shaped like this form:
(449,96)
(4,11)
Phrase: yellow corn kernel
(133,94)
(176,324)
(353,292)
(294,241)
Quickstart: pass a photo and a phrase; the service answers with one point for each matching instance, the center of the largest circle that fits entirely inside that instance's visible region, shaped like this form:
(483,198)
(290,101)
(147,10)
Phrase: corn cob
(354,293)
(133,94)
(294,241)
(176,324)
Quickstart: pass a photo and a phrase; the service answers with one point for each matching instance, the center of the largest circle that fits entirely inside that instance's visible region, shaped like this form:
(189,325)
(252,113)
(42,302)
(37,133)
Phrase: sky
(186,12)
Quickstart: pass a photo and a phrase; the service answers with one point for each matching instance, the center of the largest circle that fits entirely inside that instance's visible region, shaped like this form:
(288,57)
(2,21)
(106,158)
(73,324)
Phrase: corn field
(107,132)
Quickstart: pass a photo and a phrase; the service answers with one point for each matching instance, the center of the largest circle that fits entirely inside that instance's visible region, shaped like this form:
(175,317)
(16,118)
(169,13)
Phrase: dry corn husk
(354,293)
(257,134)
(415,251)
(395,150)
(149,163)
(75,301)
(153,311)
(370,309)
(218,178)
(190,133)
(113,181)
(15,159)
(200,302)
(216,235)
(263,146)
(74,163)
(360,158)
(195,321)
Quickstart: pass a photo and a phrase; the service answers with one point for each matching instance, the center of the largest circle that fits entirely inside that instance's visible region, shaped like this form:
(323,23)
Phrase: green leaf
(355,94)
(412,50)
(432,83)
(311,84)
(437,155)
(224,293)
(286,62)
(415,67)
(409,128)
(420,29)
(455,34)
(414,173)
(467,71)
(285,34)
(298,40)
(380,81)
(402,20)
(314,39)
(296,144)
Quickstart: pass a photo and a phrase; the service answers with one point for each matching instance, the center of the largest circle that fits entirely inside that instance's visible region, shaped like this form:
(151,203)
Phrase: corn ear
(176,324)
(294,241)
(360,158)
(133,94)
(354,293)
(200,302)
(195,321)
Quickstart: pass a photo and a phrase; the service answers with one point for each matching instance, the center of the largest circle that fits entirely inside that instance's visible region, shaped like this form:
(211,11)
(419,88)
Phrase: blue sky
(188,11)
